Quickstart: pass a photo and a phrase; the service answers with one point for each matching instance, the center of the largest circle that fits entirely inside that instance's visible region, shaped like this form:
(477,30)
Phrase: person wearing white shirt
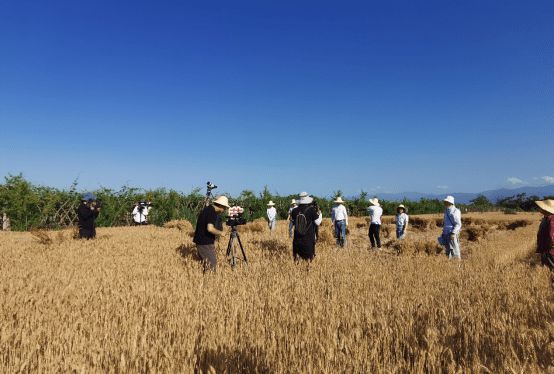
(271,216)
(293,205)
(140,213)
(375,212)
(451,229)
(401,221)
(339,218)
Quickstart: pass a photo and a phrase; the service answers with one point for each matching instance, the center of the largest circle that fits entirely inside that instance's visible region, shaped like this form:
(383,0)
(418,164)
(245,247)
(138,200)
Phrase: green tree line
(33,206)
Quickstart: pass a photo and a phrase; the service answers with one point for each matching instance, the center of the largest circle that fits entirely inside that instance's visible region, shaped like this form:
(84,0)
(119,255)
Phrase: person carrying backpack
(451,229)
(305,219)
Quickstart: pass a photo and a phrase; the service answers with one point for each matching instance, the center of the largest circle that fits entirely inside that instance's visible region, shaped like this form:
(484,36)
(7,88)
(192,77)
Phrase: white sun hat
(271,203)
(222,201)
(449,199)
(374,201)
(339,200)
(401,206)
(546,205)
(304,199)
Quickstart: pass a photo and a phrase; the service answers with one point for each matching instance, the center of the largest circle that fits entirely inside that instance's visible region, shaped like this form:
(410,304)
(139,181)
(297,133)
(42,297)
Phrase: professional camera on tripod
(235,219)
(209,195)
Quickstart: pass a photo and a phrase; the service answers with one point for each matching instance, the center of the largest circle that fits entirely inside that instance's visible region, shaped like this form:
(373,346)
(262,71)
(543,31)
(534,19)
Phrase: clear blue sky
(431,96)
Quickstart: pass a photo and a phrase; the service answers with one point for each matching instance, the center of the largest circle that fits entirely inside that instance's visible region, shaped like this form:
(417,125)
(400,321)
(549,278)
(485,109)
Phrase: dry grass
(112,305)
(181,225)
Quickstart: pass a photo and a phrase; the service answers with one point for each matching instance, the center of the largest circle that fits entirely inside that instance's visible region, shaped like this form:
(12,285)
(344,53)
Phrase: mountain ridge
(466,197)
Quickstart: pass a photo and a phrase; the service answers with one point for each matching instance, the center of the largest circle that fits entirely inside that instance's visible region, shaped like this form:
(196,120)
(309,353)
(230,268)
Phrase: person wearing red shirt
(545,236)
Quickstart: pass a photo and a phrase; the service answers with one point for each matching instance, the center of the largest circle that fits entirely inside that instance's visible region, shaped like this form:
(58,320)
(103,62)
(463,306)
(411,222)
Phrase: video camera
(143,204)
(210,186)
(235,217)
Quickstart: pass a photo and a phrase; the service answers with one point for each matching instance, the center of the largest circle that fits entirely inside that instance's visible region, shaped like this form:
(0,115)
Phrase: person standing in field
(401,222)
(289,217)
(271,216)
(87,212)
(339,219)
(305,219)
(545,235)
(207,229)
(375,212)
(452,225)
(6,224)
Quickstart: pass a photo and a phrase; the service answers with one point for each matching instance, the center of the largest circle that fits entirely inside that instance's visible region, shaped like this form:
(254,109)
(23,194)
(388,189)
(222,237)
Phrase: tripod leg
(229,246)
(242,248)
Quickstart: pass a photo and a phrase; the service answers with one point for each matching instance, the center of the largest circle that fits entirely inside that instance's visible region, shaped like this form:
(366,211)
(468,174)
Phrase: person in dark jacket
(87,213)
(208,227)
(545,236)
(306,218)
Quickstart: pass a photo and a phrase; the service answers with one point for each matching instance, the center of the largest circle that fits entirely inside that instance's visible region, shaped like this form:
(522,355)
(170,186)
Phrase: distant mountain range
(465,198)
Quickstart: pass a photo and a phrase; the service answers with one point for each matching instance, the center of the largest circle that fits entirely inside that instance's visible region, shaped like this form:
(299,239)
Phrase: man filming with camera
(87,213)
(140,212)
(208,227)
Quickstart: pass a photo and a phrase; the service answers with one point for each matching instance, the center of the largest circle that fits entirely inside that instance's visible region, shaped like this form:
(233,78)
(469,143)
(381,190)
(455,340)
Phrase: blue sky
(431,96)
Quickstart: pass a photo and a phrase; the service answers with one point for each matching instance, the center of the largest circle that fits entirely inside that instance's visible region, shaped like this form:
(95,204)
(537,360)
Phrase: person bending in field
(450,237)
(545,236)
(305,219)
(87,212)
(207,229)
(401,222)
(375,212)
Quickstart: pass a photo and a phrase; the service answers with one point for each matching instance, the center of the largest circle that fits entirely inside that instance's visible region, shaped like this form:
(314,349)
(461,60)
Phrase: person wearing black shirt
(87,213)
(207,229)
(306,218)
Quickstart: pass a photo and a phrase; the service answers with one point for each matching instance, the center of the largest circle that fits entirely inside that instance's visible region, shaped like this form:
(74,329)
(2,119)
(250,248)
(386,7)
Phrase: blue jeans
(400,234)
(340,232)
(452,246)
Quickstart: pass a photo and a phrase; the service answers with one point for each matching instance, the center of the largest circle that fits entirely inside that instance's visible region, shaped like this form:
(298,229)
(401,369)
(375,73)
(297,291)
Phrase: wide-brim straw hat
(339,200)
(222,201)
(449,199)
(293,202)
(271,203)
(304,199)
(546,205)
(401,206)
(374,202)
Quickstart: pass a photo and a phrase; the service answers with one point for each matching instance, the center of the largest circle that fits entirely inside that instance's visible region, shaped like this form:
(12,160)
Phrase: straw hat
(271,203)
(449,199)
(546,205)
(222,201)
(304,199)
(374,201)
(293,202)
(339,200)
(401,206)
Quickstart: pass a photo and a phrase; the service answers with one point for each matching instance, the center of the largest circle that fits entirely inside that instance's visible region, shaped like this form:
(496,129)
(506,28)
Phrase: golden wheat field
(136,300)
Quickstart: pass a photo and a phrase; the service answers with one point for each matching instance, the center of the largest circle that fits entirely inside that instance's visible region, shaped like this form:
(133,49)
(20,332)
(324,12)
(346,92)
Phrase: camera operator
(140,212)
(87,213)
(208,226)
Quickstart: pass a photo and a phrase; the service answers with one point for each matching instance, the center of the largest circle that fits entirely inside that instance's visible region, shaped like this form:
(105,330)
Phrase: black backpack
(302,224)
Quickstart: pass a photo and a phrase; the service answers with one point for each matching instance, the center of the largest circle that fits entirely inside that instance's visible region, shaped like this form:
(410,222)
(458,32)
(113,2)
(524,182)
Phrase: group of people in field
(339,219)
(305,217)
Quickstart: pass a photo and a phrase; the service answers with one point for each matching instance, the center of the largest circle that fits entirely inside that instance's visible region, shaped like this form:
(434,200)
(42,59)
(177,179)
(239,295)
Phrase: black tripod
(231,248)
